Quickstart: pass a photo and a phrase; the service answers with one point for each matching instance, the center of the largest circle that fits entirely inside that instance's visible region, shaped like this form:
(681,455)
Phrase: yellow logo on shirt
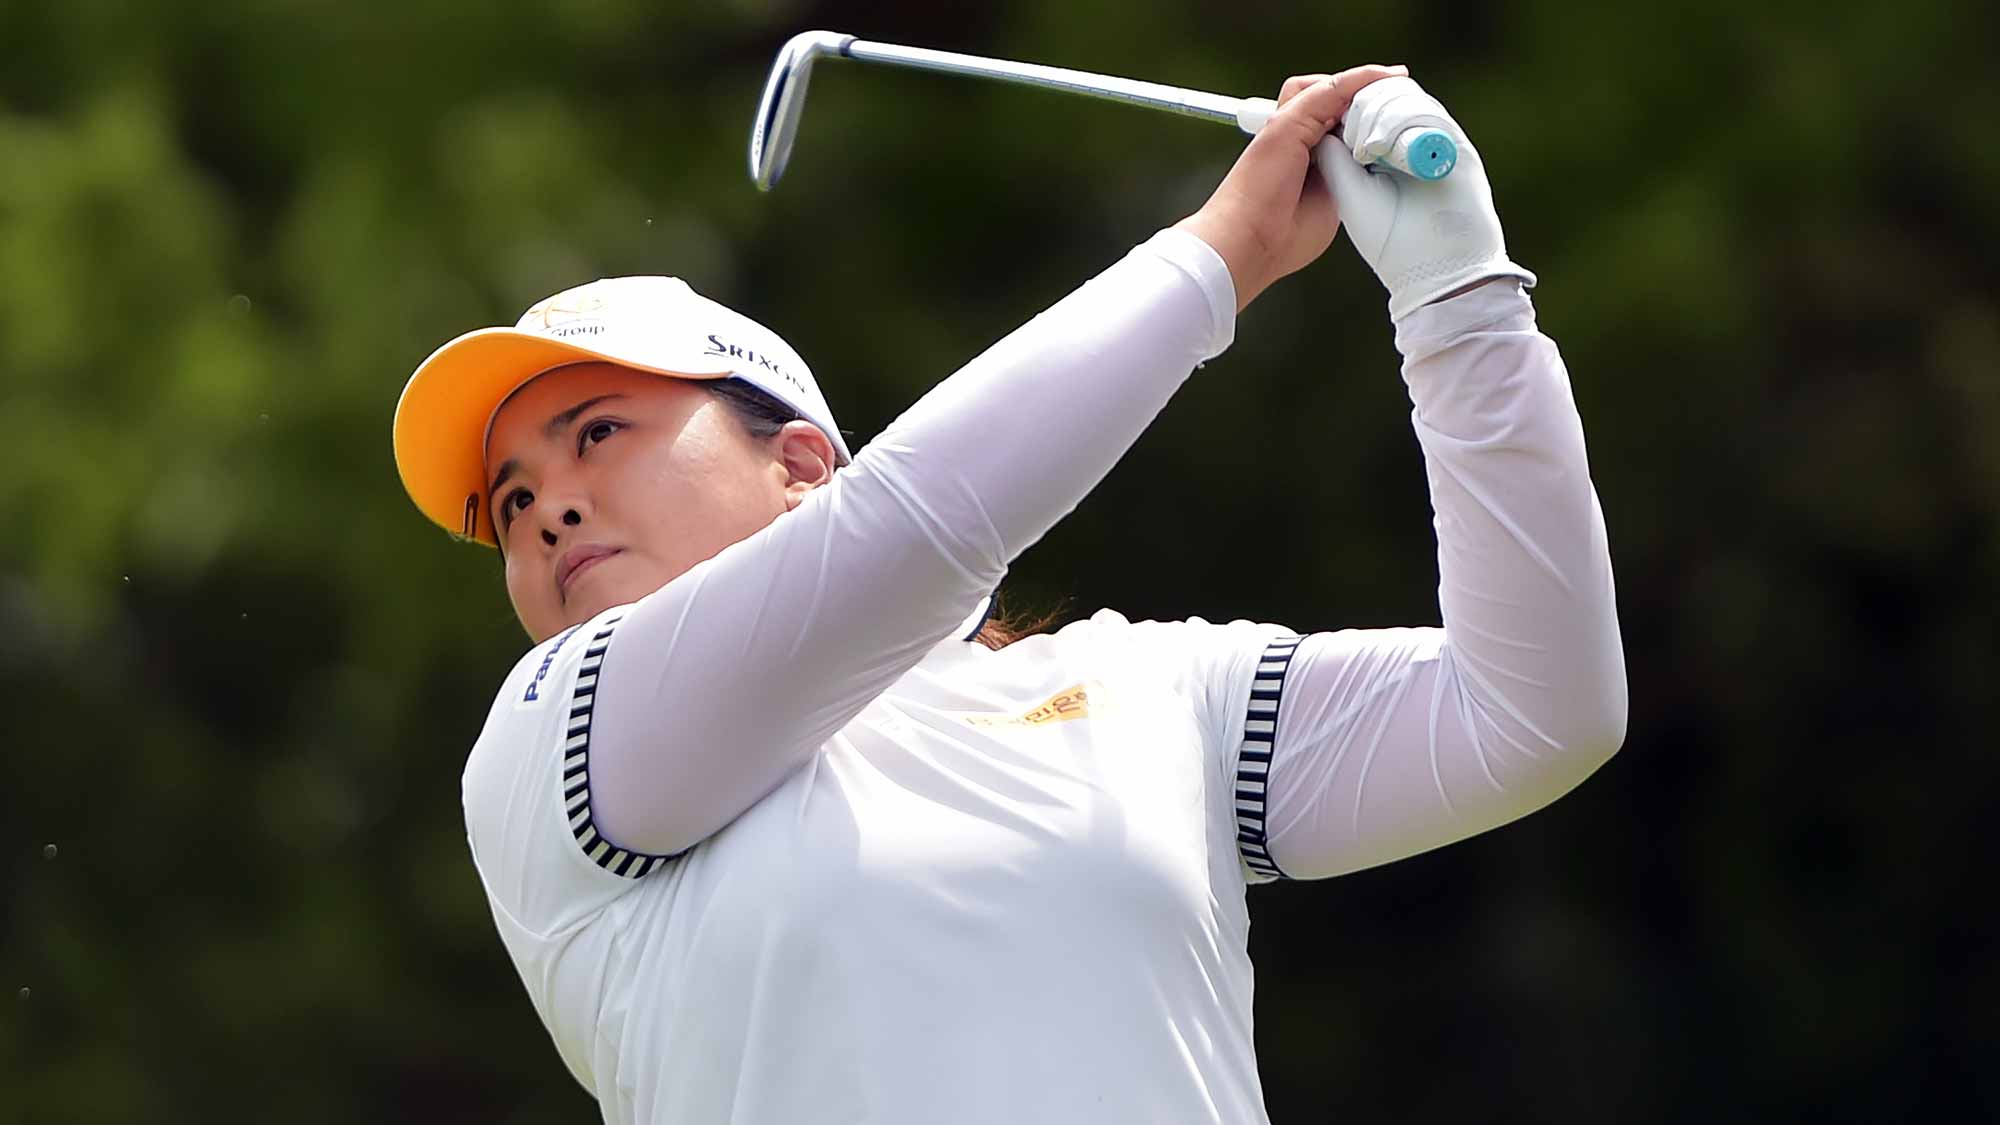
(1069,703)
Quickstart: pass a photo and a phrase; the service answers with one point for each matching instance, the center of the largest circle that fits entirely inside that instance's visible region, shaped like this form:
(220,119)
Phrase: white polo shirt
(778,844)
(1009,890)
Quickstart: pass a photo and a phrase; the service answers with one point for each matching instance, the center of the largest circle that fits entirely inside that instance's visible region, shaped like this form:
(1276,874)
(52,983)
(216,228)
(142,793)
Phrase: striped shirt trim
(576,771)
(1253,760)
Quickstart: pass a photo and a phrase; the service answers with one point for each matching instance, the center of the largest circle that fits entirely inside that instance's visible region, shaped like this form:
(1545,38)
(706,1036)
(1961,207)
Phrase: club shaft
(1188,103)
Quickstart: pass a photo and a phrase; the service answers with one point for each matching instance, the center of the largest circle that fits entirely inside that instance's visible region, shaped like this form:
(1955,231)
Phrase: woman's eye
(516,502)
(595,432)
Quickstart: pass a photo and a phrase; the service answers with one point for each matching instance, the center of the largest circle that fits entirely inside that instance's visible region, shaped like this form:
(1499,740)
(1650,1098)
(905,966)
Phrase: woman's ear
(808,458)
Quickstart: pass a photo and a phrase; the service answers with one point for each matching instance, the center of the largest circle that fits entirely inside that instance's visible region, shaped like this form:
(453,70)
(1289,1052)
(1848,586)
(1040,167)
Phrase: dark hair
(763,415)
(1005,625)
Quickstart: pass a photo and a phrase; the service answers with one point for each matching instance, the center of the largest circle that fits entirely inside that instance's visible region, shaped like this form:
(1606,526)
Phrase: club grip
(1424,152)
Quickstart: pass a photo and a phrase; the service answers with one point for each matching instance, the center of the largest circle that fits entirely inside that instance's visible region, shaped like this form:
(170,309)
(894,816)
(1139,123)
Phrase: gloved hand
(1424,239)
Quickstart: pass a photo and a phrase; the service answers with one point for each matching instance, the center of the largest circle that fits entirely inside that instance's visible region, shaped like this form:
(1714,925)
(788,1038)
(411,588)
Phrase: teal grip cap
(1432,155)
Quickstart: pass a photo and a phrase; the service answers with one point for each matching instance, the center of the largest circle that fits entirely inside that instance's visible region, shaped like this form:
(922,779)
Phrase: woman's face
(607,483)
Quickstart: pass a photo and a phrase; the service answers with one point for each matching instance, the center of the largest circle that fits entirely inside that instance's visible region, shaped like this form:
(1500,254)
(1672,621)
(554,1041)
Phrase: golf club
(1423,152)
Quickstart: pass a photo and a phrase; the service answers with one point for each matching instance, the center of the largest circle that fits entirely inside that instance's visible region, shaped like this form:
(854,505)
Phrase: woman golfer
(771,840)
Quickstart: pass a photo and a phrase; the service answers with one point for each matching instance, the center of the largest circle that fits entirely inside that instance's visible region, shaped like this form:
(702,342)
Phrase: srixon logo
(718,346)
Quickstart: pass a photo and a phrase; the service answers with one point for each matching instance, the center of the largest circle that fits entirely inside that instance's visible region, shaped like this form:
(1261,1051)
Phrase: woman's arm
(1392,742)
(1389,742)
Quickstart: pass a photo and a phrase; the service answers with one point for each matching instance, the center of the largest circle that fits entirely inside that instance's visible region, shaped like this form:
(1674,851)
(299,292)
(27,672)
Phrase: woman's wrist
(1239,251)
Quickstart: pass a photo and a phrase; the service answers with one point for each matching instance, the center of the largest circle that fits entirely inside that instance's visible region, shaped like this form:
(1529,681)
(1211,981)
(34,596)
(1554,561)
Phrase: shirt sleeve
(718,685)
(1366,746)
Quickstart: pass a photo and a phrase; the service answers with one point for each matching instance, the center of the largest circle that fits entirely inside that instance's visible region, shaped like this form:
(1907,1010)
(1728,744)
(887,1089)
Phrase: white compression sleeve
(722,682)
(1394,741)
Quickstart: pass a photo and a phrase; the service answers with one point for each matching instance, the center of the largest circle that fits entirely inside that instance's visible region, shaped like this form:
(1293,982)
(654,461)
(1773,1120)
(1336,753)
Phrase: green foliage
(244,671)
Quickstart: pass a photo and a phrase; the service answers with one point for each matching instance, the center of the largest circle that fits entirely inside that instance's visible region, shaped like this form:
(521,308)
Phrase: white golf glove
(1423,238)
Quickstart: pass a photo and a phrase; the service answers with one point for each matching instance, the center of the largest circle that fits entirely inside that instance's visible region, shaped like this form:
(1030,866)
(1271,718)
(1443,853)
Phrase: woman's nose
(570,517)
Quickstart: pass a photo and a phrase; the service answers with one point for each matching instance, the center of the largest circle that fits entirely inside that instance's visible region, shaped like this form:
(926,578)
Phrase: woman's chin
(601,587)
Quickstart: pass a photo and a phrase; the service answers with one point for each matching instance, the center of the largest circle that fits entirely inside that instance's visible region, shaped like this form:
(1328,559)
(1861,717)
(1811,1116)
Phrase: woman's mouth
(576,562)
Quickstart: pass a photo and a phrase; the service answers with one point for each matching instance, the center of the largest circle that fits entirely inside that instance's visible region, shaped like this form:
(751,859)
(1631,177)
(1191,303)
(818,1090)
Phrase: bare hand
(1272,214)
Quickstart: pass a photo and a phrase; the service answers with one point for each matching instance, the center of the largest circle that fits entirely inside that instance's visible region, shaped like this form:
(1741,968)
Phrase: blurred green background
(243,673)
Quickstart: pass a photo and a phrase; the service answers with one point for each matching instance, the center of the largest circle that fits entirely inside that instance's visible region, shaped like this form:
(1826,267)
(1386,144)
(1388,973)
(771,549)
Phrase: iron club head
(784,100)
